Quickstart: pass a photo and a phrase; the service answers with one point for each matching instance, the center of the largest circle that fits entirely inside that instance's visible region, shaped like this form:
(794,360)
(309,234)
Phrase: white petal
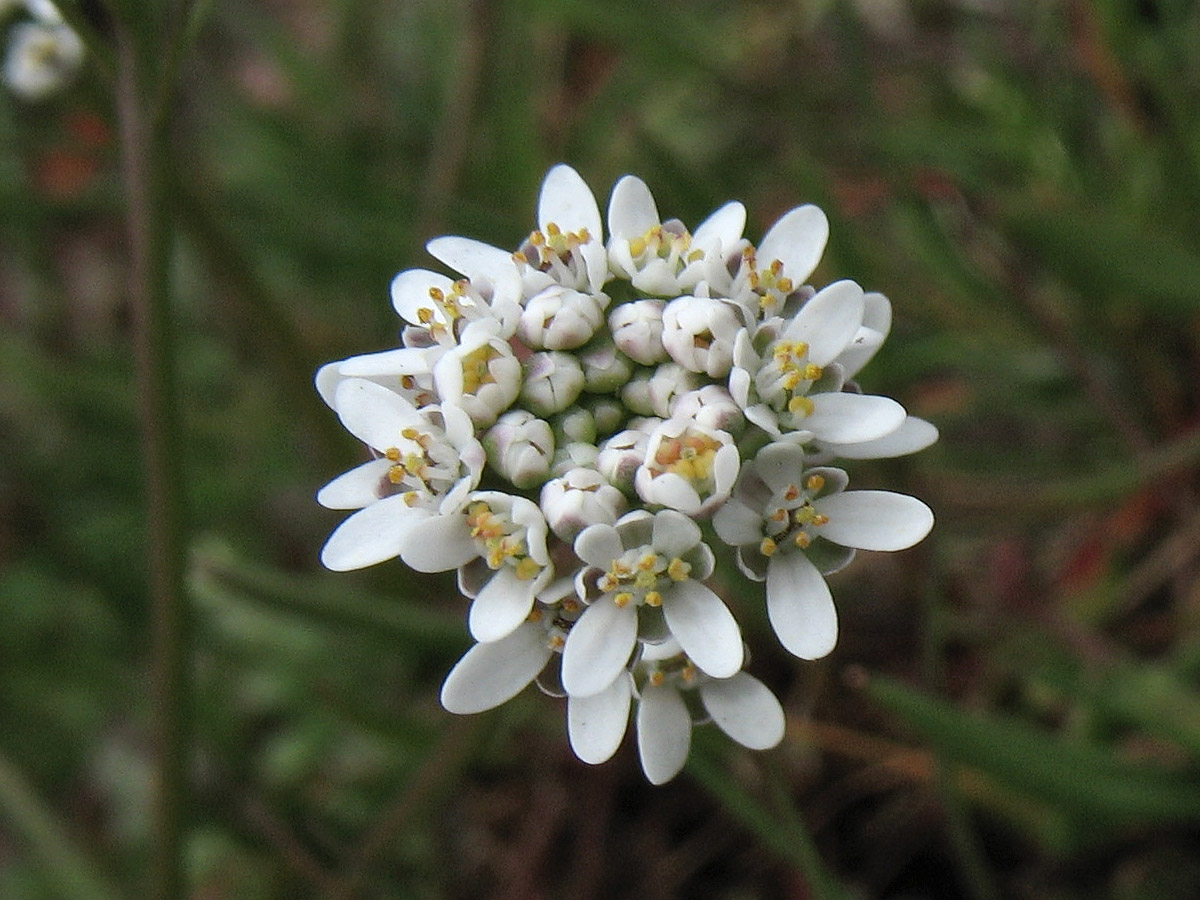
(372,413)
(780,465)
(704,627)
(914,435)
(828,322)
(500,606)
(327,379)
(631,209)
(403,361)
(372,535)
(472,258)
(664,731)
(874,520)
(568,202)
(800,606)
(598,647)
(877,322)
(674,534)
(723,228)
(798,239)
(490,674)
(596,724)
(839,417)
(443,543)
(737,524)
(410,293)
(598,545)
(357,488)
(745,709)
(667,489)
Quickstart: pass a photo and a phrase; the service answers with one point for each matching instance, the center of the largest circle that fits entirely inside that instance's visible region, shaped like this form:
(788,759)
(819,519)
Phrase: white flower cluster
(44,52)
(560,421)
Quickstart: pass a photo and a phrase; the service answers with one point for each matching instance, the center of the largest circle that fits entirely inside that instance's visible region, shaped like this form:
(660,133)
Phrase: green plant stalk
(143,158)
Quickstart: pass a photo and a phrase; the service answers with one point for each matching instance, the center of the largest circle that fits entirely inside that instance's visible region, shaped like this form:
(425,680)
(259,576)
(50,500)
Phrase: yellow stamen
(653,598)
(800,405)
(802,540)
(767,547)
(657,678)
(528,569)
(815,482)
(678,570)
(623,599)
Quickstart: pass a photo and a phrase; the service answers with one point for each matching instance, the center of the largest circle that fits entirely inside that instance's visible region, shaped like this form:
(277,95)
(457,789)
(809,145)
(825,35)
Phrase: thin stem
(143,156)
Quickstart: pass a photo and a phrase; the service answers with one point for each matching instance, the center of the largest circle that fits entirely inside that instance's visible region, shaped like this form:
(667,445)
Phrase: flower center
(791,516)
(476,368)
(556,252)
(641,575)
(784,381)
(421,463)
(502,541)
(666,243)
(691,456)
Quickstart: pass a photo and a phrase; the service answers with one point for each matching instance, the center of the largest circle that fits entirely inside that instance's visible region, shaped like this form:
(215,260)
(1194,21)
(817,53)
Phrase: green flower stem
(144,159)
(73,874)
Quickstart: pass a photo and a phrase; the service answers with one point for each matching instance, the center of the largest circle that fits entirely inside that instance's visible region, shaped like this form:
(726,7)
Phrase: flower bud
(698,333)
(575,425)
(553,381)
(622,454)
(637,329)
(608,415)
(605,368)
(575,455)
(711,407)
(669,382)
(520,447)
(580,498)
(560,318)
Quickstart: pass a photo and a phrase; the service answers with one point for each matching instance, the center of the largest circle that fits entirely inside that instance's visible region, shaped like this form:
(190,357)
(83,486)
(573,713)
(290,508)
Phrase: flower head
(559,418)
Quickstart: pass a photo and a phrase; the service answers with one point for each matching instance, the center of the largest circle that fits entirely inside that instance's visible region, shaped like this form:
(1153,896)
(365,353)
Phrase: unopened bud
(553,382)
(520,447)
(580,498)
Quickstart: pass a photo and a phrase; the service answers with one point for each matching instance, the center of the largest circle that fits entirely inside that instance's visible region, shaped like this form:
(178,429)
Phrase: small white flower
(424,468)
(651,563)
(637,330)
(776,387)
(655,392)
(787,255)
(482,375)
(497,542)
(41,59)
(687,467)
(568,247)
(520,447)
(553,382)
(698,333)
(780,517)
(580,498)
(605,368)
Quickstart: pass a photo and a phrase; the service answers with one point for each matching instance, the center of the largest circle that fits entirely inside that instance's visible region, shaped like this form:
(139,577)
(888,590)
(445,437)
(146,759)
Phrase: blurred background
(1014,708)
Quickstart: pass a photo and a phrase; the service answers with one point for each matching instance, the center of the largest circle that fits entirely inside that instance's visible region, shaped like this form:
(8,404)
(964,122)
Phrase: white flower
(580,498)
(568,247)
(482,375)
(654,392)
(520,447)
(553,382)
(42,58)
(497,542)
(644,566)
(780,517)
(424,467)
(741,706)
(687,467)
(493,673)
(698,333)
(637,330)
(775,387)
(787,255)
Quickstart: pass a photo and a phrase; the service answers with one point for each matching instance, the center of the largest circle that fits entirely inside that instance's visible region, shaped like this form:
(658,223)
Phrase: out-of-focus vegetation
(1014,709)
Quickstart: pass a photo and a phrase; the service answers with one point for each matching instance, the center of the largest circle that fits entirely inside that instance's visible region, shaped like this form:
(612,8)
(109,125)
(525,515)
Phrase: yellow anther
(776,267)
(552,229)
(791,493)
(537,239)
(607,582)
(621,569)
(535,615)
(571,605)
(785,285)
(800,405)
(424,315)
(410,432)
(528,569)
(820,519)
(653,598)
(657,678)
(645,580)
(520,258)
(815,482)
(623,599)
(637,246)
(689,673)
(557,642)
(812,371)
(802,540)
(678,570)
(396,474)
(408,382)
(392,453)
(767,547)
(792,380)
(695,256)
(411,498)
(437,294)
(648,562)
